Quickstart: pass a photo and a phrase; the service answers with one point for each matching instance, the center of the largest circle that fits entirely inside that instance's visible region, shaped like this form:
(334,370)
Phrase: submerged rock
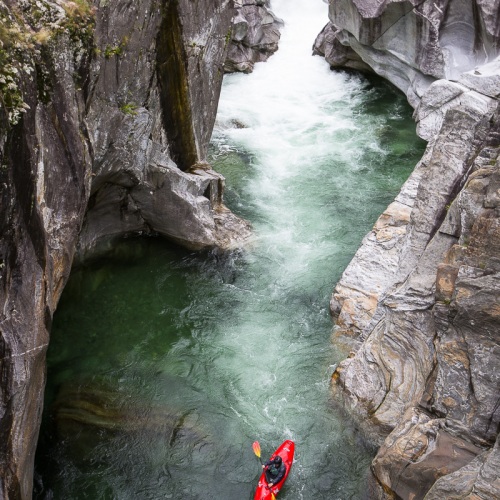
(420,300)
(89,406)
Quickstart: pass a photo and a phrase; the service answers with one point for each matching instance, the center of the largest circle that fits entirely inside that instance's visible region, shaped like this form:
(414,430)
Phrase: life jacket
(274,474)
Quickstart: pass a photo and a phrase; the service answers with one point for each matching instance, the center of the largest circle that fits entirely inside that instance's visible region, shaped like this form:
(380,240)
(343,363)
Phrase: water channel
(165,365)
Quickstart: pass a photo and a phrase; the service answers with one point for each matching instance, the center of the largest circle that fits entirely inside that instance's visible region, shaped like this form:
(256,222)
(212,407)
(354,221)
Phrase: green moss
(112,50)
(80,21)
(228,37)
(115,50)
(129,109)
(80,8)
(13,43)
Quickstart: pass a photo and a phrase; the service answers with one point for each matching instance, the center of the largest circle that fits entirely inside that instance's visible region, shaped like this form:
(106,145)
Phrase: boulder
(413,43)
(254,36)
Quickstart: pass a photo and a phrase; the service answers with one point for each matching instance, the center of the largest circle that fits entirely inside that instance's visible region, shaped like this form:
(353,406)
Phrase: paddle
(256,450)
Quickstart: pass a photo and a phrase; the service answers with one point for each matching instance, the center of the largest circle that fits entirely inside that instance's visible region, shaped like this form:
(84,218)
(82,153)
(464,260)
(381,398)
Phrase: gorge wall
(420,301)
(106,110)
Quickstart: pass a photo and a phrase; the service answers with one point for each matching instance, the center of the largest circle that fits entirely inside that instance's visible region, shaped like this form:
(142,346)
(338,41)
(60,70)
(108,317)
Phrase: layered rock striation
(420,301)
(106,110)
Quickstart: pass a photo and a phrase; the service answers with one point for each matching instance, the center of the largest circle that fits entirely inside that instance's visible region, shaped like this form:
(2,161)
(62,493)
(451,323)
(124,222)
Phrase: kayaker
(275,470)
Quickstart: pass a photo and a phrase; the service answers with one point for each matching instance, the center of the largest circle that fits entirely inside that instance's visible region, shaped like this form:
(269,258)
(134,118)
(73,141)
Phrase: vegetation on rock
(24,30)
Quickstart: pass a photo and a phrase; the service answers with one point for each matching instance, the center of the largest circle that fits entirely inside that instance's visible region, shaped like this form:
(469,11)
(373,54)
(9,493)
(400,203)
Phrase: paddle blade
(256,448)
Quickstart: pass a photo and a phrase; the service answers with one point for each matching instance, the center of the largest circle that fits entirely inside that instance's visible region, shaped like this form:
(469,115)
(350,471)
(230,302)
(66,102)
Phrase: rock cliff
(106,109)
(420,301)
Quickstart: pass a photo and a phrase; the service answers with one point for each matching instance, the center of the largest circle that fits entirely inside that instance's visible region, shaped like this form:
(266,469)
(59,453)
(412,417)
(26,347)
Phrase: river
(165,365)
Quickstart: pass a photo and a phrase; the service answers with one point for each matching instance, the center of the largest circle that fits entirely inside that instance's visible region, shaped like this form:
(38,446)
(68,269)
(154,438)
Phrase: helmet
(277,460)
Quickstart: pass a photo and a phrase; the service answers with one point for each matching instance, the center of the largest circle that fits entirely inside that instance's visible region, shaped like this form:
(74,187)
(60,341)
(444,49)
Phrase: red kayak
(285,451)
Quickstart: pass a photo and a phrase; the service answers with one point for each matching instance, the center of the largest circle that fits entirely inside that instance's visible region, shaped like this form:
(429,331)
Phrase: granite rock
(412,42)
(105,117)
(424,312)
(419,302)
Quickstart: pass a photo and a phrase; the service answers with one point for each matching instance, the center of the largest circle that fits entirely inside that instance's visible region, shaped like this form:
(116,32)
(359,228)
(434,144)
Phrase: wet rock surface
(151,117)
(419,302)
(106,112)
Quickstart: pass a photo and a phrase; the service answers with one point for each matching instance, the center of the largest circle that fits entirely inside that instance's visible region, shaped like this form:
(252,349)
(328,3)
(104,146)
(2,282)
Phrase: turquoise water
(165,365)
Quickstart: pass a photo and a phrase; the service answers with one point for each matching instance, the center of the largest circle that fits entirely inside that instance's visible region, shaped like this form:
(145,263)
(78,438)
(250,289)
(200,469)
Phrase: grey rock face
(155,117)
(337,55)
(254,36)
(419,301)
(412,42)
(433,339)
(45,179)
(105,115)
